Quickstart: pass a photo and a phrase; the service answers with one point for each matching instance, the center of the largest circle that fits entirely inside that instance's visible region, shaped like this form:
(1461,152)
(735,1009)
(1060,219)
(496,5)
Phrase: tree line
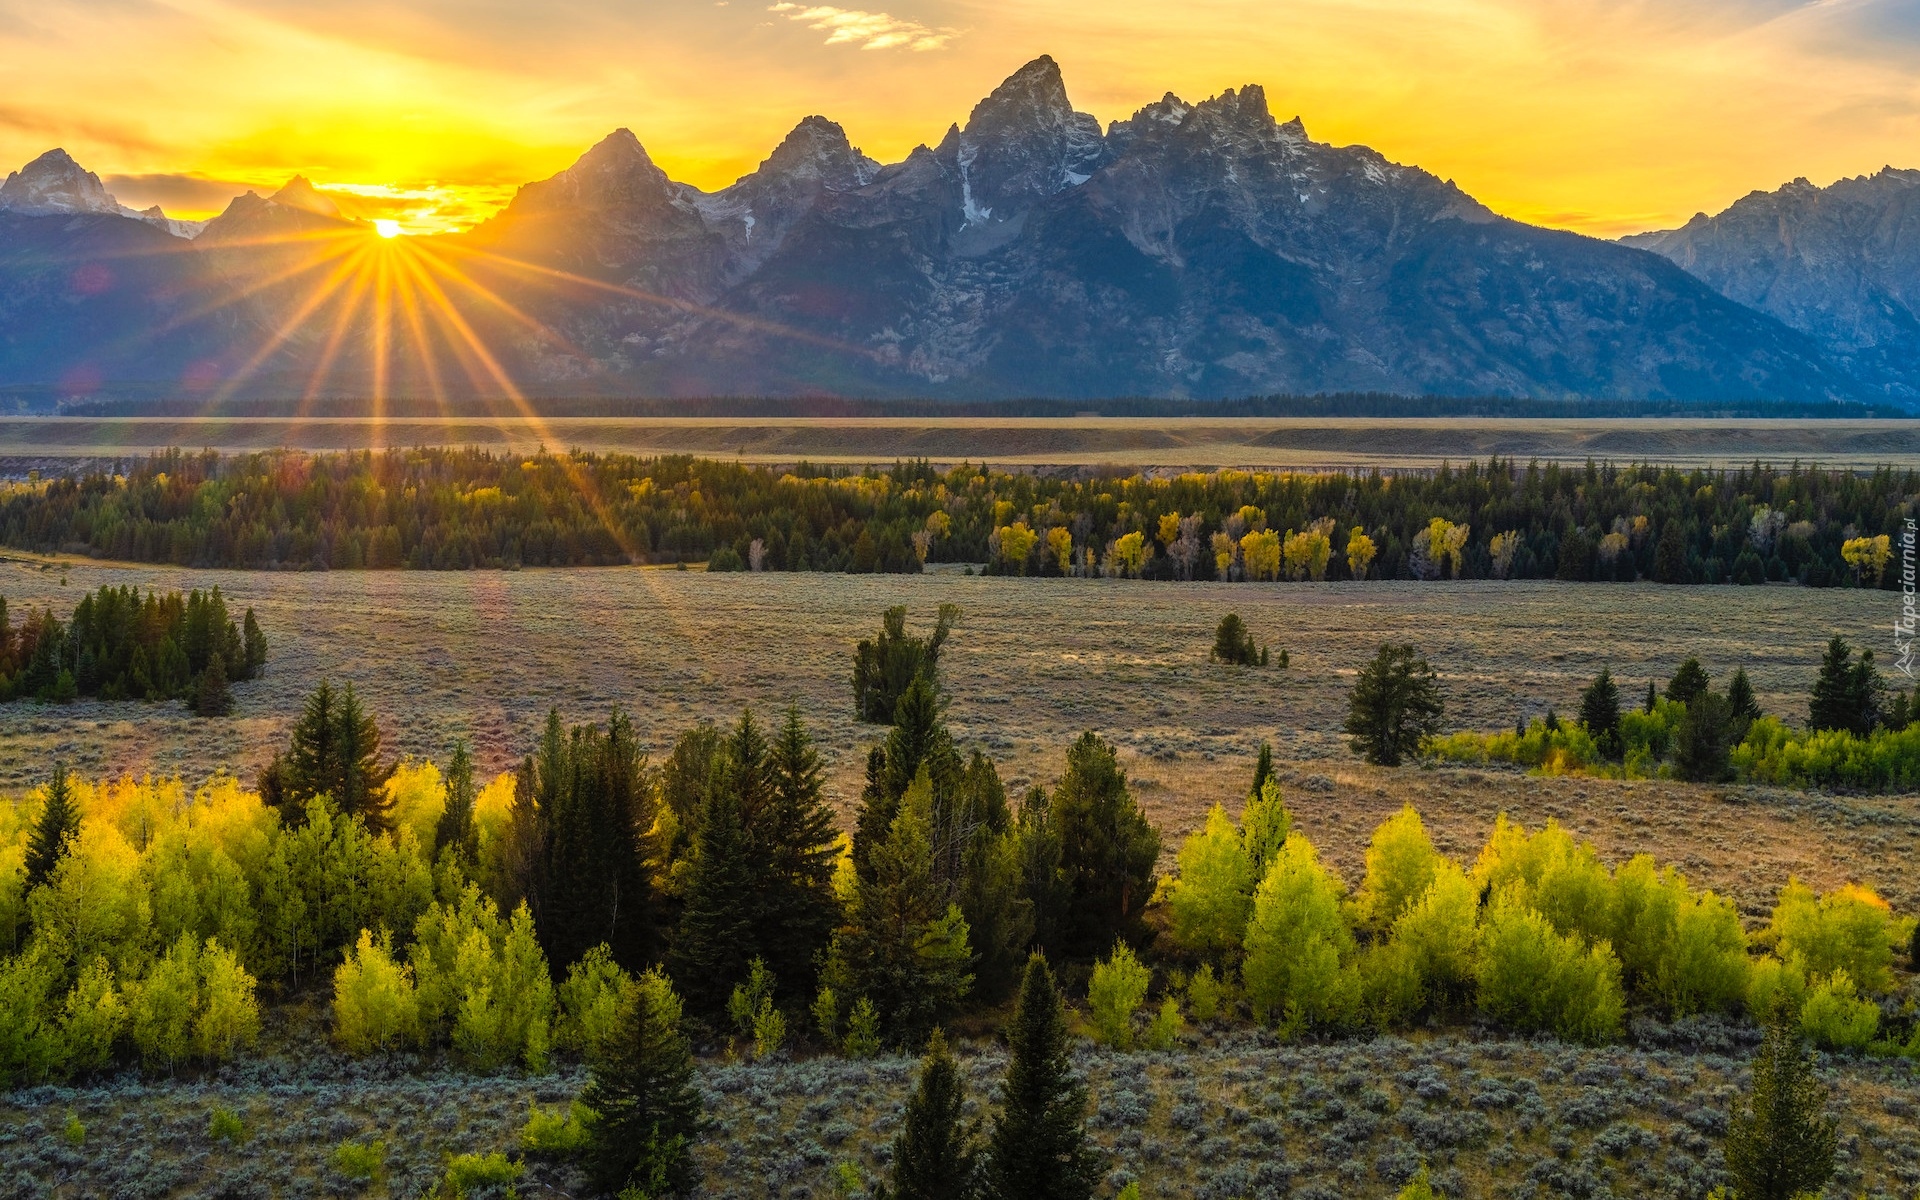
(454,509)
(120,645)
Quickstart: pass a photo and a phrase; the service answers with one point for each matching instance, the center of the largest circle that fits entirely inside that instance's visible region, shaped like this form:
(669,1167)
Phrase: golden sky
(1598,115)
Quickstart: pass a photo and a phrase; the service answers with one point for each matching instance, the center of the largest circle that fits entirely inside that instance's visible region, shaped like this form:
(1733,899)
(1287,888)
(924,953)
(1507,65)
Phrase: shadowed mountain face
(1839,263)
(1202,250)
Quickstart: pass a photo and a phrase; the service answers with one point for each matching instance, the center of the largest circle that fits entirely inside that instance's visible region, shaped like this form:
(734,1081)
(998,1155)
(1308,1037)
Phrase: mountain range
(1197,250)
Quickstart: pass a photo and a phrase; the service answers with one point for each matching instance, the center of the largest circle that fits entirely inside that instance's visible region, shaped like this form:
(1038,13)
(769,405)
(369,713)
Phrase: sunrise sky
(1606,117)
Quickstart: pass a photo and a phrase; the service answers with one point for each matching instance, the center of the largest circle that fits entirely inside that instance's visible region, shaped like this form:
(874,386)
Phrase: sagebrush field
(1034,662)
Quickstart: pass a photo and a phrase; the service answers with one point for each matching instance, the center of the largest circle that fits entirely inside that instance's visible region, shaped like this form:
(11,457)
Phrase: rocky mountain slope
(1840,263)
(1201,250)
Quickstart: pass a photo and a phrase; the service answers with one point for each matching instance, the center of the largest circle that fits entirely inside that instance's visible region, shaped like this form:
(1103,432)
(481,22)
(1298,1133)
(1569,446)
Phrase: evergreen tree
(1107,850)
(1670,555)
(1233,643)
(59,821)
(1600,711)
(1704,739)
(456,829)
(1846,693)
(1262,768)
(716,936)
(642,1091)
(918,737)
(595,879)
(884,668)
(1687,682)
(798,906)
(1651,698)
(1740,699)
(1394,707)
(211,696)
(334,752)
(1039,1149)
(253,647)
(934,1155)
(1780,1144)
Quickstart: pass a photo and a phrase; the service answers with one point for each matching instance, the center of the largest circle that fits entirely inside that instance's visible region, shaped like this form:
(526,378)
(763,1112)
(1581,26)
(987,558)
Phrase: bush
(1204,993)
(361,1161)
(1401,862)
(590,999)
(375,1007)
(557,1132)
(1849,929)
(1118,989)
(1167,1026)
(1233,643)
(1212,896)
(1834,1015)
(1772,985)
(466,1172)
(225,1125)
(1534,978)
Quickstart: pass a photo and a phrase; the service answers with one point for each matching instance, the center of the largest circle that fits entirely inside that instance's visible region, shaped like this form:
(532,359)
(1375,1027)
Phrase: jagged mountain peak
(54,183)
(817,148)
(300,193)
(1036,94)
(1021,144)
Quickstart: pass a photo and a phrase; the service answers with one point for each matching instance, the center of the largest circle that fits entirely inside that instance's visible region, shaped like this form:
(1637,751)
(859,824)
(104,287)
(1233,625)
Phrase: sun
(387,229)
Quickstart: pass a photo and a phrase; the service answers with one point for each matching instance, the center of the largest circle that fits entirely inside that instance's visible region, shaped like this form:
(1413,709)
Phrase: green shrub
(1204,994)
(225,1125)
(1118,988)
(363,1161)
(468,1171)
(557,1132)
(1849,929)
(1774,984)
(863,1031)
(1533,977)
(1210,899)
(1836,1017)
(375,1007)
(1420,1187)
(1167,1026)
(74,1132)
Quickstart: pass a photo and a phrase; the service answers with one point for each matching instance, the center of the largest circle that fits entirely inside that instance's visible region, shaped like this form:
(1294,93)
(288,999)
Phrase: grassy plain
(1034,662)
(1038,442)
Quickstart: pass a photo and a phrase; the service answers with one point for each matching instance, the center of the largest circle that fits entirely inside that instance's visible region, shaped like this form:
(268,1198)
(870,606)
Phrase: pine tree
(211,696)
(918,737)
(934,1156)
(642,1092)
(595,884)
(58,822)
(716,935)
(1039,1149)
(1262,768)
(253,647)
(1394,707)
(1600,711)
(455,829)
(362,777)
(1780,1143)
(1845,694)
(885,667)
(1652,697)
(798,907)
(1107,850)
(334,752)
(1746,709)
(1705,737)
(1670,556)
(1687,682)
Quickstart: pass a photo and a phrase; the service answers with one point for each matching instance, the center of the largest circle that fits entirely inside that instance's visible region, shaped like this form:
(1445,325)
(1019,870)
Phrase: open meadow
(1034,662)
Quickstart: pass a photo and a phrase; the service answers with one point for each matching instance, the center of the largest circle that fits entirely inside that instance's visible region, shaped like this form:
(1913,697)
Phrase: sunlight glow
(386,228)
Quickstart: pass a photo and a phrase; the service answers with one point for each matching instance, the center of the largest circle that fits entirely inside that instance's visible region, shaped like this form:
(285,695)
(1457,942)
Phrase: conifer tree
(253,647)
(1039,1149)
(1652,696)
(1687,682)
(1394,707)
(59,820)
(595,879)
(642,1092)
(1262,769)
(456,829)
(334,752)
(211,696)
(934,1156)
(918,738)
(716,935)
(1780,1144)
(1600,711)
(1670,555)
(1702,742)
(798,909)
(1107,850)
(1746,709)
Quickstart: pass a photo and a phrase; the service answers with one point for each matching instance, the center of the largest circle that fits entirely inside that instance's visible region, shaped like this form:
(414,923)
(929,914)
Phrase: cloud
(867,30)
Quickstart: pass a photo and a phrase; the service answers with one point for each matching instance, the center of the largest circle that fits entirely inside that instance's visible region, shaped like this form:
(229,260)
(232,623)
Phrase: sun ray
(281,336)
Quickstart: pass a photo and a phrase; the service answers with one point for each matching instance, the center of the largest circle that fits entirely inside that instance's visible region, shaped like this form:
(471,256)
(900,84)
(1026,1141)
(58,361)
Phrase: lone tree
(643,1093)
(1689,681)
(1746,709)
(1600,712)
(1846,695)
(59,821)
(211,695)
(1780,1143)
(1039,1149)
(1233,643)
(1395,705)
(884,667)
(935,1156)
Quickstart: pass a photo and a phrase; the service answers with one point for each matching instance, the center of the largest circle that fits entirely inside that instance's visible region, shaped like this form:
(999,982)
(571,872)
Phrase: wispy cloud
(867,30)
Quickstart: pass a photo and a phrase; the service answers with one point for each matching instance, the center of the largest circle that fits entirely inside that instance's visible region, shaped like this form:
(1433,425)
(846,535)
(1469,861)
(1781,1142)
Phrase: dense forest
(120,645)
(453,509)
(598,905)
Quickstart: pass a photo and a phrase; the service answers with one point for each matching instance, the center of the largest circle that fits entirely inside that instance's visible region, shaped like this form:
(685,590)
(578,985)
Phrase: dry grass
(484,655)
